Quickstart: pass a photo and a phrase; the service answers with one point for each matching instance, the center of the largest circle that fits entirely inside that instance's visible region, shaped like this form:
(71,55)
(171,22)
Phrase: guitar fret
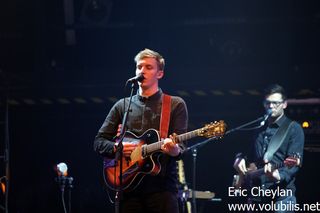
(183,137)
(154,147)
(186,136)
(150,148)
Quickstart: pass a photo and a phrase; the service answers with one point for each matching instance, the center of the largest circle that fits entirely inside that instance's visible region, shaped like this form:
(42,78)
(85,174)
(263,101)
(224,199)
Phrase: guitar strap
(164,128)
(165,115)
(277,139)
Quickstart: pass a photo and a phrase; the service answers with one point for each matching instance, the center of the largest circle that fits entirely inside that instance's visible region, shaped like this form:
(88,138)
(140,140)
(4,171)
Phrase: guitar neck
(259,172)
(150,148)
(187,136)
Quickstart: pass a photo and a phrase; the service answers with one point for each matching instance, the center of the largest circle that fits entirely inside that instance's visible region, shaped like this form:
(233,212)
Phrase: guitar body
(245,181)
(136,167)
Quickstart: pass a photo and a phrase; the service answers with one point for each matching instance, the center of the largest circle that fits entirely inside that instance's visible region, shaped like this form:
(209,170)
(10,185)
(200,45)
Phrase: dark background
(64,63)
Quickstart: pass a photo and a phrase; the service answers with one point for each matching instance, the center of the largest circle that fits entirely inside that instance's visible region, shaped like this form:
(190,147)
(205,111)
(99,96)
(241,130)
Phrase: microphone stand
(119,152)
(5,156)
(70,184)
(64,181)
(194,154)
(194,203)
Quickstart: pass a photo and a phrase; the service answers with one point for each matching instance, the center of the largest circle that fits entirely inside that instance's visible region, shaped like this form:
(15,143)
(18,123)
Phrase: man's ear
(160,74)
(285,104)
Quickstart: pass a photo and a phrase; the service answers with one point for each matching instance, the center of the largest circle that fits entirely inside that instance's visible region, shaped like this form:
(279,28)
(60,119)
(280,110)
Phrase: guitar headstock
(292,161)
(213,129)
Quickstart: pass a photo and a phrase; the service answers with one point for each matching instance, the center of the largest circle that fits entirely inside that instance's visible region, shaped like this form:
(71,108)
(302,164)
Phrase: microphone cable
(63,201)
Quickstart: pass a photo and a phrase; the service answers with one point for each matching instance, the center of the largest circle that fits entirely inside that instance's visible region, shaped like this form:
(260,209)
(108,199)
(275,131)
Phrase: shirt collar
(155,96)
(280,121)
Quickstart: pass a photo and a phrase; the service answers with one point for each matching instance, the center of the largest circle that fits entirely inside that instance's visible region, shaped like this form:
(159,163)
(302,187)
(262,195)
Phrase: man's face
(276,103)
(148,67)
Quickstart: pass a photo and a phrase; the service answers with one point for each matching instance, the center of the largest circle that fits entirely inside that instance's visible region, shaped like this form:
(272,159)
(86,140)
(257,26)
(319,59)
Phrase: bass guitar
(245,180)
(144,160)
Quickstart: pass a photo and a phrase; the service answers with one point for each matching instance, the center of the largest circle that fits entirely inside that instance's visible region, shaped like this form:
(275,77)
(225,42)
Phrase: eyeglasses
(274,103)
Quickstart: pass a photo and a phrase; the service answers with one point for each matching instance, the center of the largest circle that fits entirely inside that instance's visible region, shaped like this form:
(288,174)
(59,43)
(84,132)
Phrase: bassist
(272,148)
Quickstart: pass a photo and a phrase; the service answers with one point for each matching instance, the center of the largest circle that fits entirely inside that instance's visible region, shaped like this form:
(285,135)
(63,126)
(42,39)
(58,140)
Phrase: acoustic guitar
(144,160)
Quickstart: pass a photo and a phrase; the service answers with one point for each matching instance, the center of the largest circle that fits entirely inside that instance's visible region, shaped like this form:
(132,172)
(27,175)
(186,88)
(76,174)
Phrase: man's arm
(103,142)
(296,145)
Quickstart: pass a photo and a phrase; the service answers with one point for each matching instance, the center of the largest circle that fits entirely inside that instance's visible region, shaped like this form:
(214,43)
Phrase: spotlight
(305,124)
(62,169)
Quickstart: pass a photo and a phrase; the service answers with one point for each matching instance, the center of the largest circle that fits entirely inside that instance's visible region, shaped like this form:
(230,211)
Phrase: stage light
(305,124)
(62,169)
(3,188)
(96,12)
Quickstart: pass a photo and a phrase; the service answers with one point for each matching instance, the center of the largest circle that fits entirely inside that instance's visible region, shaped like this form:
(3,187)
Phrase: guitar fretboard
(179,138)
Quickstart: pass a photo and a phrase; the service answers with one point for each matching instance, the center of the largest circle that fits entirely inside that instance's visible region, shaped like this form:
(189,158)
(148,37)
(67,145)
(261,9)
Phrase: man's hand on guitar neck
(170,147)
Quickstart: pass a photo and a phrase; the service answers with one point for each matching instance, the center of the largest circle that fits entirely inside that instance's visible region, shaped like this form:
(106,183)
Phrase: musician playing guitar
(156,192)
(281,143)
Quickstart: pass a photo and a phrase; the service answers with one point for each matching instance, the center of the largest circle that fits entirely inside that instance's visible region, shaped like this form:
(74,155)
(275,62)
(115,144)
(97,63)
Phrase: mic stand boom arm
(242,127)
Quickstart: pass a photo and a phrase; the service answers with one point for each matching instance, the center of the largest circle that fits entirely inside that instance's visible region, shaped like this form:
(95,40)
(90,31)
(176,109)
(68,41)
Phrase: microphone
(266,116)
(139,78)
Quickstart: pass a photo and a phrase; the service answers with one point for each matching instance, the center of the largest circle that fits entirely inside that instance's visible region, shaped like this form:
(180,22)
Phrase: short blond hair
(147,53)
